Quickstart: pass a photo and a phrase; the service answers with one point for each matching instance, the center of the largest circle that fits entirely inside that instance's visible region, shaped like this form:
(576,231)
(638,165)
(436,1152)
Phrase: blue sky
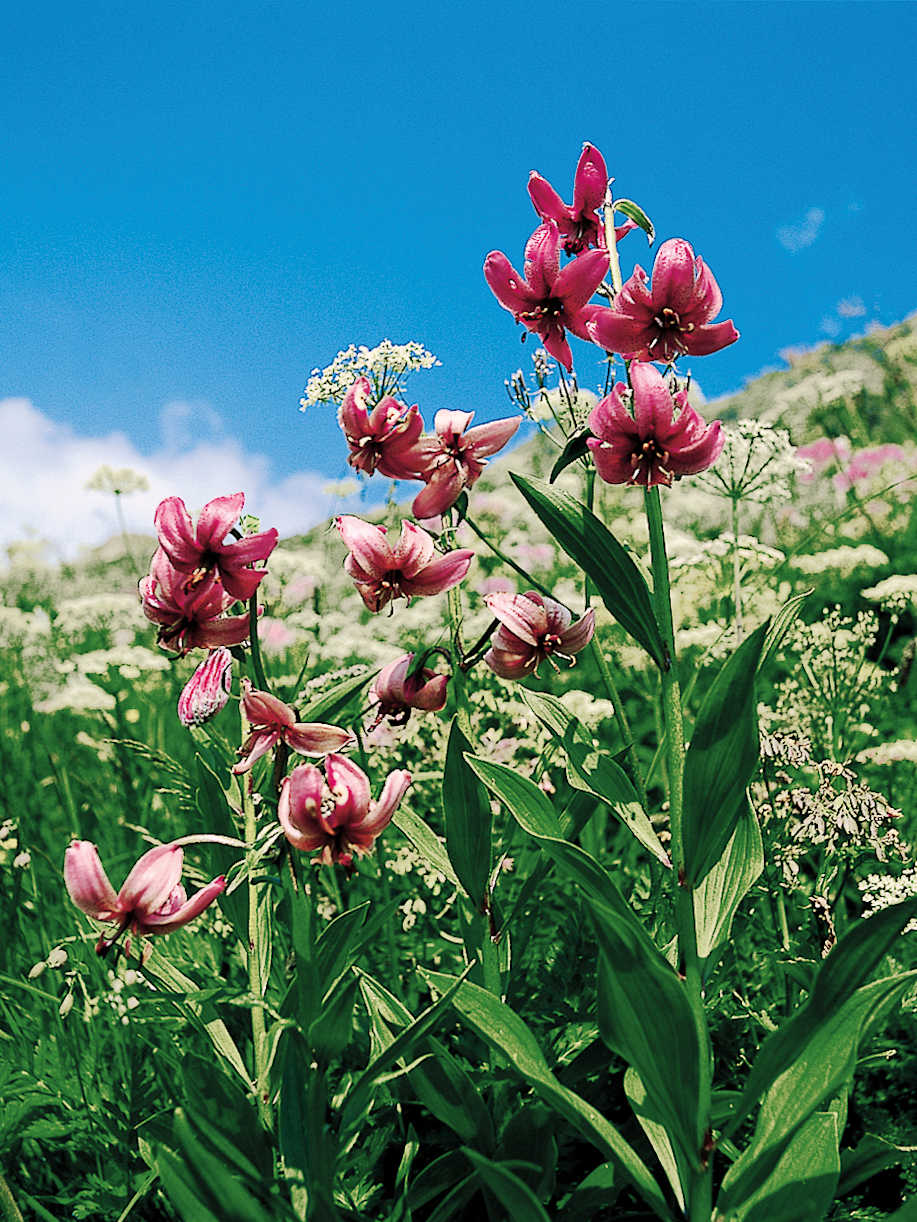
(200,203)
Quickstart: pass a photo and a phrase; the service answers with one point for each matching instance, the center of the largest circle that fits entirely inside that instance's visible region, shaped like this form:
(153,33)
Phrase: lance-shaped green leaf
(330,704)
(441,1084)
(609,567)
(514,1194)
(721,759)
(635,213)
(597,772)
(504,1030)
(534,813)
(852,961)
(655,1132)
(823,1065)
(646,1017)
(781,624)
(426,842)
(802,1185)
(468,819)
(573,451)
(718,897)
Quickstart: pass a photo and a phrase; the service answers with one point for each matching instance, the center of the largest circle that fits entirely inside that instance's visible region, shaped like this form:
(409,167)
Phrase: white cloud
(797,237)
(47,464)
(851,307)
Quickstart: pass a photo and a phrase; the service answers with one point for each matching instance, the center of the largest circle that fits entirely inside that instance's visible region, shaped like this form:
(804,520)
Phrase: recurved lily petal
(264,709)
(523,614)
(413,551)
(533,628)
(380,812)
(174,915)
(87,882)
(506,284)
(444,487)
(487,439)
(217,519)
(317,738)
(439,575)
(152,879)
(368,544)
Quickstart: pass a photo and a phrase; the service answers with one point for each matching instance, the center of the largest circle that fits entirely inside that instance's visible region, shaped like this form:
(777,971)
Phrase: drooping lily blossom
(207,691)
(335,812)
(386,439)
(273,722)
(578,224)
(458,455)
(396,692)
(547,299)
(659,438)
(189,618)
(383,570)
(199,552)
(533,628)
(152,899)
(672,318)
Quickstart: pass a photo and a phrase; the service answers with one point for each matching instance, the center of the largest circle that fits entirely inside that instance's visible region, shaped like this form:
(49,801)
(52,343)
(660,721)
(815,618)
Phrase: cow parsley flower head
(386,366)
(755,465)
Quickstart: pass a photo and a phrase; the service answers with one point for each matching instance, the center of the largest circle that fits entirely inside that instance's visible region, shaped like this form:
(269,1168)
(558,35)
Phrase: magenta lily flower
(189,617)
(548,300)
(396,693)
(387,439)
(273,722)
(382,571)
(152,900)
(578,224)
(654,444)
(458,455)
(335,813)
(201,551)
(207,691)
(671,319)
(533,628)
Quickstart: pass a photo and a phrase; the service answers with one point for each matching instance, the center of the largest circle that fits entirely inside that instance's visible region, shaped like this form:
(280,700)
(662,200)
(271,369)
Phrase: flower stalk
(255,950)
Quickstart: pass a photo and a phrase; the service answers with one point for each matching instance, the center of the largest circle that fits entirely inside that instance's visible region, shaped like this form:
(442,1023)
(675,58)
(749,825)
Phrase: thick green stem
(736,571)
(700,1190)
(257,662)
(254,951)
(614,264)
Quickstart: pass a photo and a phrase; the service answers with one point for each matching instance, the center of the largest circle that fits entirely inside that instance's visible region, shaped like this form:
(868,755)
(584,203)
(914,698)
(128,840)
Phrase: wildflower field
(541,844)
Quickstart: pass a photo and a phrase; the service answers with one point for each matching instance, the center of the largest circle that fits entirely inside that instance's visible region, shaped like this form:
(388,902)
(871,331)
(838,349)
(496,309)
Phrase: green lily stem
(253,955)
(257,661)
(736,571)
(614,263)
(608,679)
(700,1194)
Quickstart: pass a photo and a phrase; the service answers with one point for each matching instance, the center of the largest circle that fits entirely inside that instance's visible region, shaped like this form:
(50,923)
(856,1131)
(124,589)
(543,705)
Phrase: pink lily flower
(397,694)
(207,691)
(336,813)
(189,618)
(548,300)
(533,628)
(578,224)
(199,551)
(152,900)
(382,571)
(387,439)
(458,455)
(273,722)
(669,320)
(654,444)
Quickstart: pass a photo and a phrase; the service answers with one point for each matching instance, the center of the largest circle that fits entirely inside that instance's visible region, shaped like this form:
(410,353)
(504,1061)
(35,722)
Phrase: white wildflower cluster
(386,366)
(896,594)
(904,750)
(23,629)
(130,661)
(117,614)
(80,695)
(412,909)
(885,890)
(120,481)
(406,860)
(56,958)
(756,464)
(588,709)
(793,405)
(843,560)
(752,552)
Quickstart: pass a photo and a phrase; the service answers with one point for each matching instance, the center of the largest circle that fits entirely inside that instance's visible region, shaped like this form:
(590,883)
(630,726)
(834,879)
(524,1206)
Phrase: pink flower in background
(577,224)
(387,439)
(189,618)
(457,456)
(397,693)
(274,636)
(496,585)
(201,551)
(383,571)
(654,444)
(336,815)
(531,629)
(821,453)
(152,899)
(273,722)
(207,691)
(548,300)
(671,319)
(866,463)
